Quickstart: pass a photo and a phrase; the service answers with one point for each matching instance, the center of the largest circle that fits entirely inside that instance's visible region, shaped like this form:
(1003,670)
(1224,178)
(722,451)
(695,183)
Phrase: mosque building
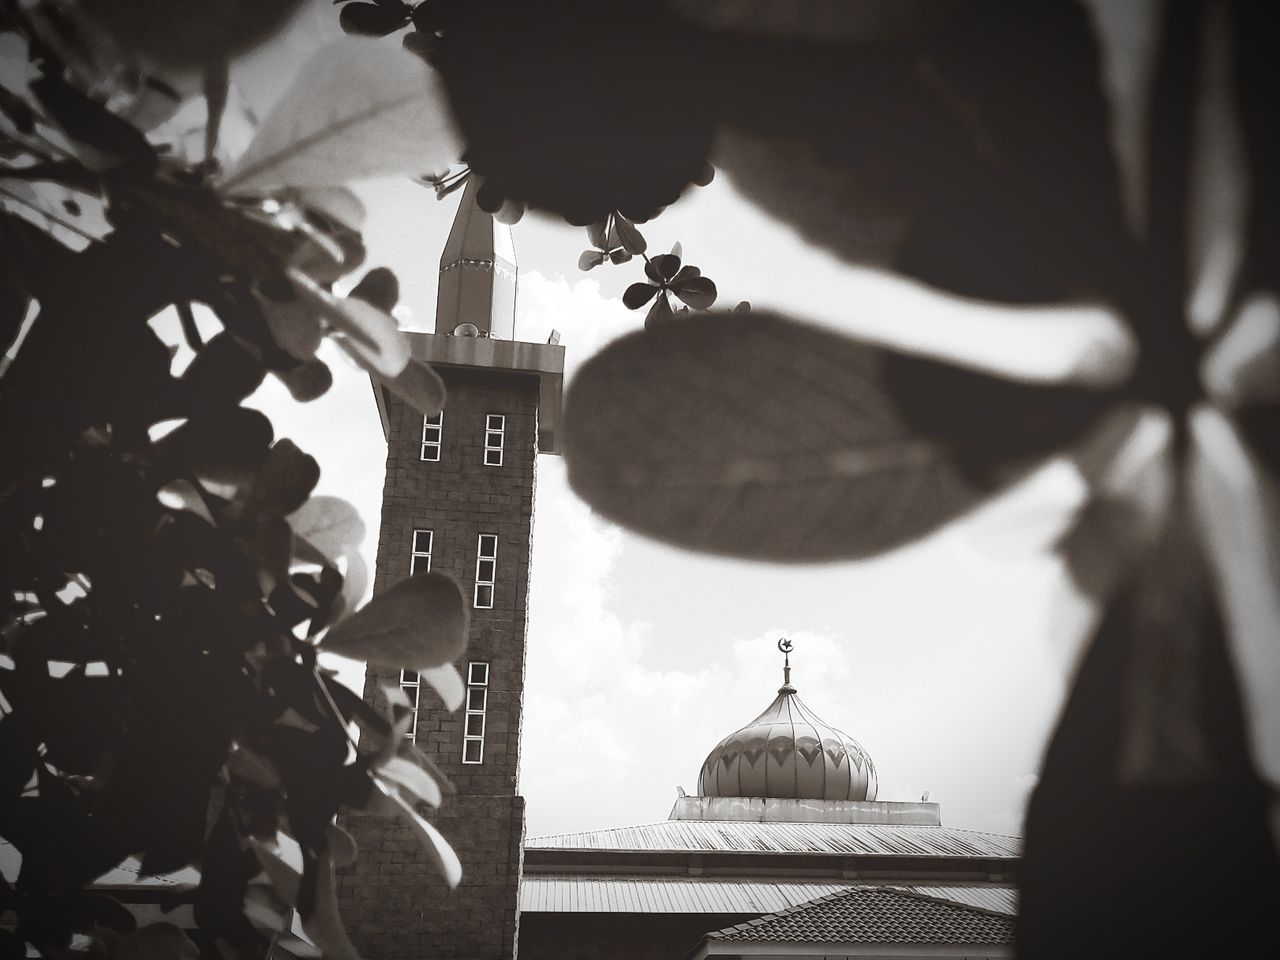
(784,852)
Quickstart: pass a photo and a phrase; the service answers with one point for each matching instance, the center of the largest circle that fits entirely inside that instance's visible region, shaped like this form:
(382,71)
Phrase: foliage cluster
(997,157)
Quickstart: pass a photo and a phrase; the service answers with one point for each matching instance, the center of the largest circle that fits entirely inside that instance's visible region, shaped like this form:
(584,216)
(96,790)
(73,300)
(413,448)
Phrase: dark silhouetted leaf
(91,123)
(379,287)
(223,373)
(284,482)
(420,622)
(659,313)
(752,436)
(307,381)
(619,256)
(687,272)
(638,294)
(1155,727)
(697,292)
(663,267)
(227,445)
(1017,211)
(629,236)
(373,19)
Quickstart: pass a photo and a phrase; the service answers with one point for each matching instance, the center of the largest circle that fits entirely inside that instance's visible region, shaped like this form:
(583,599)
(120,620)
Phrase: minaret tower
(459,499)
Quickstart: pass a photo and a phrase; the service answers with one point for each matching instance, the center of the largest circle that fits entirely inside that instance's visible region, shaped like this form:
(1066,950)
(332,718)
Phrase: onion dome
(788,752)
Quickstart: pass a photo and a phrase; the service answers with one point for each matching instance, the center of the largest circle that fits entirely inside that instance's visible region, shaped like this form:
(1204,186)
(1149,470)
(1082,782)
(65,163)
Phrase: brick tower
(459,499)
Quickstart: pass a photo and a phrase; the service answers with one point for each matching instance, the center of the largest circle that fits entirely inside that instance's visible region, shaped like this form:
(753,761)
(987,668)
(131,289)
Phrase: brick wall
(392,903)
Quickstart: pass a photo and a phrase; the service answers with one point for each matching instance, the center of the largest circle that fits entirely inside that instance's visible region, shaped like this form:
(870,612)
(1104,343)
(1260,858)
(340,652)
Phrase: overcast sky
(946,660)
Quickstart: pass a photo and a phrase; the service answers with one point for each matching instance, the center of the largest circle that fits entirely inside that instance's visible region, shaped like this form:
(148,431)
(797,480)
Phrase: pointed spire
(477,274)
(786,646)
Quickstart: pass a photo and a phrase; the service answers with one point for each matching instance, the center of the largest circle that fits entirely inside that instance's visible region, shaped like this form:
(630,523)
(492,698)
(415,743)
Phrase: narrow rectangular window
(432,430)
(411,686)
(477,703)
(495,427)
(486,568)
(420,552)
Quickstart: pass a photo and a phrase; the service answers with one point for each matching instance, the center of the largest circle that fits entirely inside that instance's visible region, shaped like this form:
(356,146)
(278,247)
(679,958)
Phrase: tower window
(432,430)
(477,703)
(486,567)
(495,427)
(420,552)
(411,686)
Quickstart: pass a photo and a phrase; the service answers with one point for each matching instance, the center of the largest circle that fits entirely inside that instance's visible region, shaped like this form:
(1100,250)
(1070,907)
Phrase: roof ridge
(894,888)
(778,914)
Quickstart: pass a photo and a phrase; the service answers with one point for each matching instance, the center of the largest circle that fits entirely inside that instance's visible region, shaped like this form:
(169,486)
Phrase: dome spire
(786,646)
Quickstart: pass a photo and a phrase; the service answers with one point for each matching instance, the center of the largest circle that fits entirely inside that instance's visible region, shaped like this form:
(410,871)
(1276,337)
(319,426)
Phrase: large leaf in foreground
(757,437)
(357,109)
(419,623)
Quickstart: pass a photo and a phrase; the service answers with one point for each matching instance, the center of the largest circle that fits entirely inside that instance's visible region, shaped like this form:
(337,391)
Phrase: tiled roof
(874,915)
(753,836)
(569,893)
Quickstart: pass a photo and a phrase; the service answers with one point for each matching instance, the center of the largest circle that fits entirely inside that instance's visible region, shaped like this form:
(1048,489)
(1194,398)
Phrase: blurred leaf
(323,924)
(1016,212)
(283,875)
(447,682)
(697,292)
(307,381)
(436,846)
(294,324)
(416,624)
(1156,727)
(743,306)
(619,256)
(420,387)
(629,236)
(410,776)
(590,259)
(378,287)
(284,481)
(338,205)
(638,294)
(373,338)
(752,436)
(222,373)
(91,123)
(662,268)
(357,109)
(373,19)
(225,446)
(677,251)
(157,941)
(342,846)
(330,524)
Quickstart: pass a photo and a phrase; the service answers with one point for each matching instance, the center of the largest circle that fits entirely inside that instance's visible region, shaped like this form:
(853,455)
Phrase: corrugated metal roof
(879,915)
(706,836)
(594,894)
(1000,899)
